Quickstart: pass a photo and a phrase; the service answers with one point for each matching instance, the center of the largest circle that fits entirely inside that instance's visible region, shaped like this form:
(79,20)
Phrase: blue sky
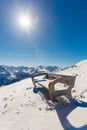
(59,36)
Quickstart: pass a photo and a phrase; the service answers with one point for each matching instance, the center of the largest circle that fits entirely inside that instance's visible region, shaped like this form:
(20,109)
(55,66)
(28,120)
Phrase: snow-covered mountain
(80,71)
(21,109)
(11,74)
(6,76)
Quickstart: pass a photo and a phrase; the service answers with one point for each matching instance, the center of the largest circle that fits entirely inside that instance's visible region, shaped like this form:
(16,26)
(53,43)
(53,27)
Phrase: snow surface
(80,71)
(21,109)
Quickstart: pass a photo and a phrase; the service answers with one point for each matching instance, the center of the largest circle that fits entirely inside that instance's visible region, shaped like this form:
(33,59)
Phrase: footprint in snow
(11,99)
(28,88)
(40,108)
(17,113)
(5,99)
(5,105)
(4,112)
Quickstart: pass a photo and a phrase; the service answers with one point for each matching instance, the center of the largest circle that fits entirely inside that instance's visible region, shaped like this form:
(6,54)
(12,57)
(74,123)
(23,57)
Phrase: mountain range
(11,74)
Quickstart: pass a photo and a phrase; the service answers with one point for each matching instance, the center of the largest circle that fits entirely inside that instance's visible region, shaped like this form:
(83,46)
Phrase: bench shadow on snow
(64,110)
(45,93)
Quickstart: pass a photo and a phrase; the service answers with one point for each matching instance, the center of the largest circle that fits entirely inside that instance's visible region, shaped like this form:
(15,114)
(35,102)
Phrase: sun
(25,22)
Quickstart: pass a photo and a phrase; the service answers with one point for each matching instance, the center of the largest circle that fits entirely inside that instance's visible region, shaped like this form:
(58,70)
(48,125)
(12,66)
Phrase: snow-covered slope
(80,71)
(21,109)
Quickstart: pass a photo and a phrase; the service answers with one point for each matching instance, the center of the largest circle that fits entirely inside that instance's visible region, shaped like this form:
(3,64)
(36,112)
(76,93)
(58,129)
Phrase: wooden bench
(55,84)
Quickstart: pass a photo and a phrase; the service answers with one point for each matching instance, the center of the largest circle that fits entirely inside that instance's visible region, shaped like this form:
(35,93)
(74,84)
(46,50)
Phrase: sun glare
(25,22)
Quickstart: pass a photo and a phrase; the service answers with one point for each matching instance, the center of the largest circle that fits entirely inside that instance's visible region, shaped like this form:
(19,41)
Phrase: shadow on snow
(64,110)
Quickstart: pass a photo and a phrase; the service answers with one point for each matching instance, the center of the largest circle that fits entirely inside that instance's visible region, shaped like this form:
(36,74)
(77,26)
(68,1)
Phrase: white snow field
(21,109)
